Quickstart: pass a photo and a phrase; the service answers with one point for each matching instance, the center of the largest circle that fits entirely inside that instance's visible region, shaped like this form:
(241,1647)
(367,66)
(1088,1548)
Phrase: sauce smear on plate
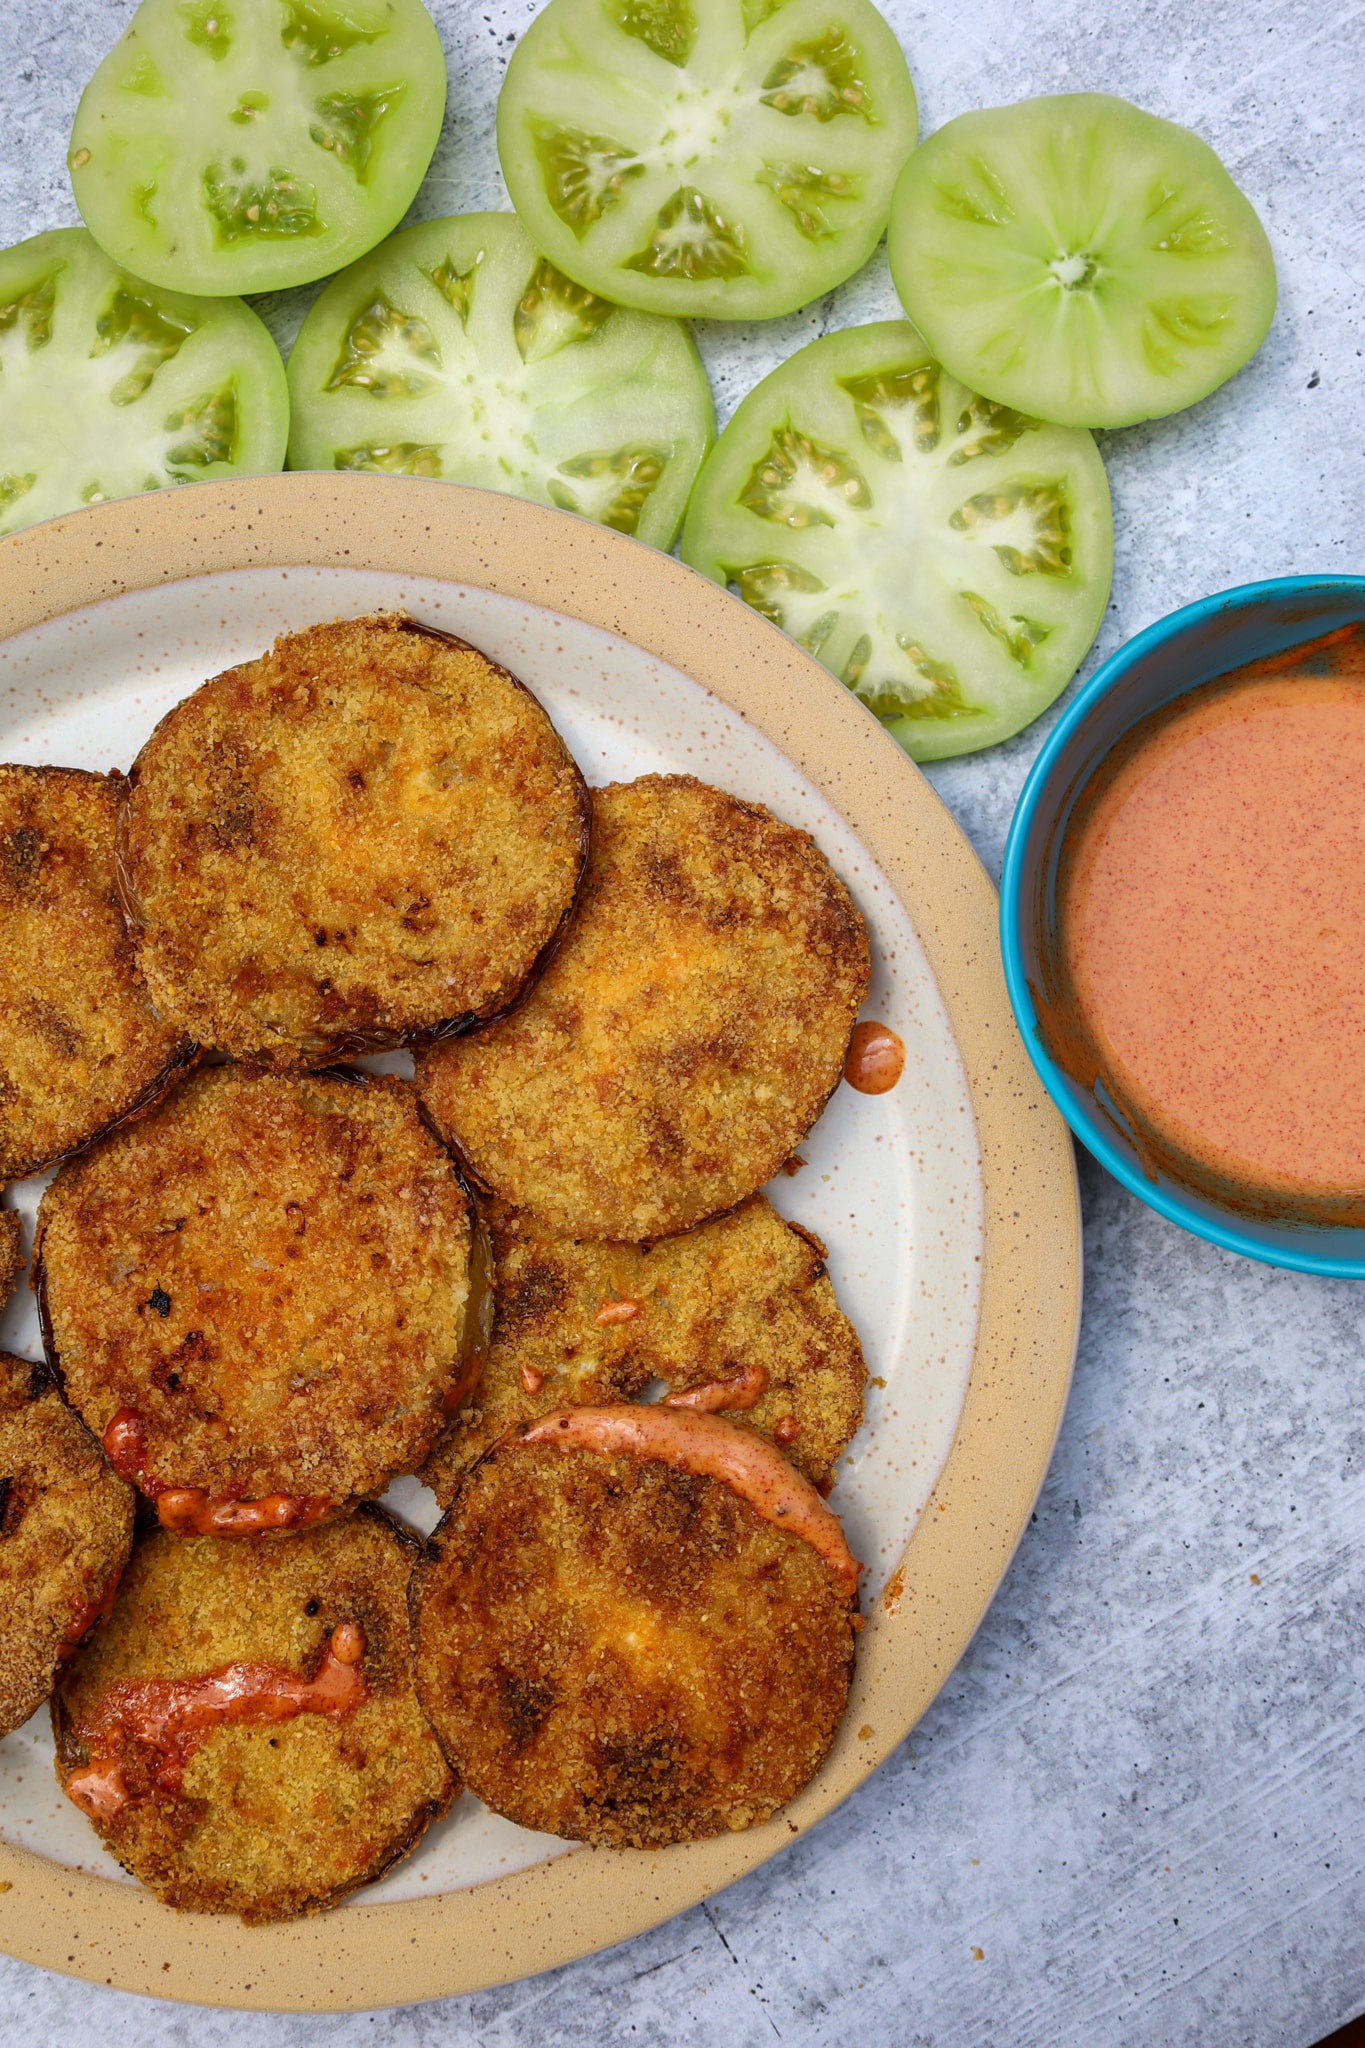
(1211,901)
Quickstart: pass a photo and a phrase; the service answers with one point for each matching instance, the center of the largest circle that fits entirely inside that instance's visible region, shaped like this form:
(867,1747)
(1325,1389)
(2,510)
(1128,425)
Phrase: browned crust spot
(742,1291)
(80,1044)
(615,1651)
(66,1526)
(370,836)
(271,1270)
(11,1252)
(686,1035)
(272,1821)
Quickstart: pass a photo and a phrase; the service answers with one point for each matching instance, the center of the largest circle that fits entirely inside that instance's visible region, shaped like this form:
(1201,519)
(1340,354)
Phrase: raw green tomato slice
(110,386)
(456,350)
(945,557)
(253,144)
(731,159)
(1080,259)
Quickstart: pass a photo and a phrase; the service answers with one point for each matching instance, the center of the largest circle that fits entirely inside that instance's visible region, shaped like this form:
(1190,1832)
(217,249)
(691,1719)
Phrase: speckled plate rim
(397,1954)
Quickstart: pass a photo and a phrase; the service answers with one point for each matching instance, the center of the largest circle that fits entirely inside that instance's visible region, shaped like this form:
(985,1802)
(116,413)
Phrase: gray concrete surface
(1136,1814)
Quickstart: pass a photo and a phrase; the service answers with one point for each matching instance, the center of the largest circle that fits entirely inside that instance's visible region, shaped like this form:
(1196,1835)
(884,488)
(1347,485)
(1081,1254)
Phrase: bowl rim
(1032,815)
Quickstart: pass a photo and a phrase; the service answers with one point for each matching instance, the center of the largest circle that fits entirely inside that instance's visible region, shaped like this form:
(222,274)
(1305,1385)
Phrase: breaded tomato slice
(635,1626)
(66,1527)
(244,1733)
(685,1036)
(256,1295)
(367,837)
(11,1253)
(737,1317)
(80,1044)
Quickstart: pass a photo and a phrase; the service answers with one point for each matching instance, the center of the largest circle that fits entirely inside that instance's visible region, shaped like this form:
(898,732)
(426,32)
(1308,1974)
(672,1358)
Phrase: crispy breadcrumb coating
(272,1819)
(740,1310)
(80,1045)
(270,1271)
(11,1253)
(368,836)
(628,1654)
(686,1035)
(66,1527)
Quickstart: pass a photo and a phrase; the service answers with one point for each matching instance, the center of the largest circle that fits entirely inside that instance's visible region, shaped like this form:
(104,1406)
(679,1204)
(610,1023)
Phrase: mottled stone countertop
(1136,1813)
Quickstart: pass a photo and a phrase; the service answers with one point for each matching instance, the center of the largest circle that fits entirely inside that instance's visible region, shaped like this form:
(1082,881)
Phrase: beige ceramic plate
(956,1249)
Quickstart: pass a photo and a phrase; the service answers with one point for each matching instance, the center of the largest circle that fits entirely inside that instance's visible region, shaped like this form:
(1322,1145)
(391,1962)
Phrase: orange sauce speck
(876,1059)
(786,1429)
(618,1312)
(173,1716)
(744,1390)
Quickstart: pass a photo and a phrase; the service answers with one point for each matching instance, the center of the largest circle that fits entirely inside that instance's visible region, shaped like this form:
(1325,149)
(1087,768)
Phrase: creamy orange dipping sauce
(1211,899)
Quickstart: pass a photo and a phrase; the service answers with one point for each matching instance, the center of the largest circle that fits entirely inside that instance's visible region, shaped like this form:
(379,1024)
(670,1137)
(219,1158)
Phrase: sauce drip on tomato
(701,1443)
(190,1510)
(173,1716)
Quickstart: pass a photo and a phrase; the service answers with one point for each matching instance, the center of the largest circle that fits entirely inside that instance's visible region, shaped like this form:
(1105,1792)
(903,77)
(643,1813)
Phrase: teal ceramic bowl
(1177,654)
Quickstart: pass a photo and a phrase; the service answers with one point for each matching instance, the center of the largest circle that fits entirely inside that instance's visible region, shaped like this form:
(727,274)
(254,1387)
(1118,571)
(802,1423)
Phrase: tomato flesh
(456,350)
(255,144)
(715,158)
(947,558)
(110,386)
(1080,259)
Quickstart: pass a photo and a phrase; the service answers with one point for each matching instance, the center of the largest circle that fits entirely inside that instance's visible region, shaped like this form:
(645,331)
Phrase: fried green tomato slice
(737,1317)
(66,1528)
(110,386)
(80,1044)
(11,1252)
(1080,259)
(247,145)
(947,559)
(256,1294)
(368,836)
(456,350)
(244,1734)
(685,1036)
(621,1637)
(724,159)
